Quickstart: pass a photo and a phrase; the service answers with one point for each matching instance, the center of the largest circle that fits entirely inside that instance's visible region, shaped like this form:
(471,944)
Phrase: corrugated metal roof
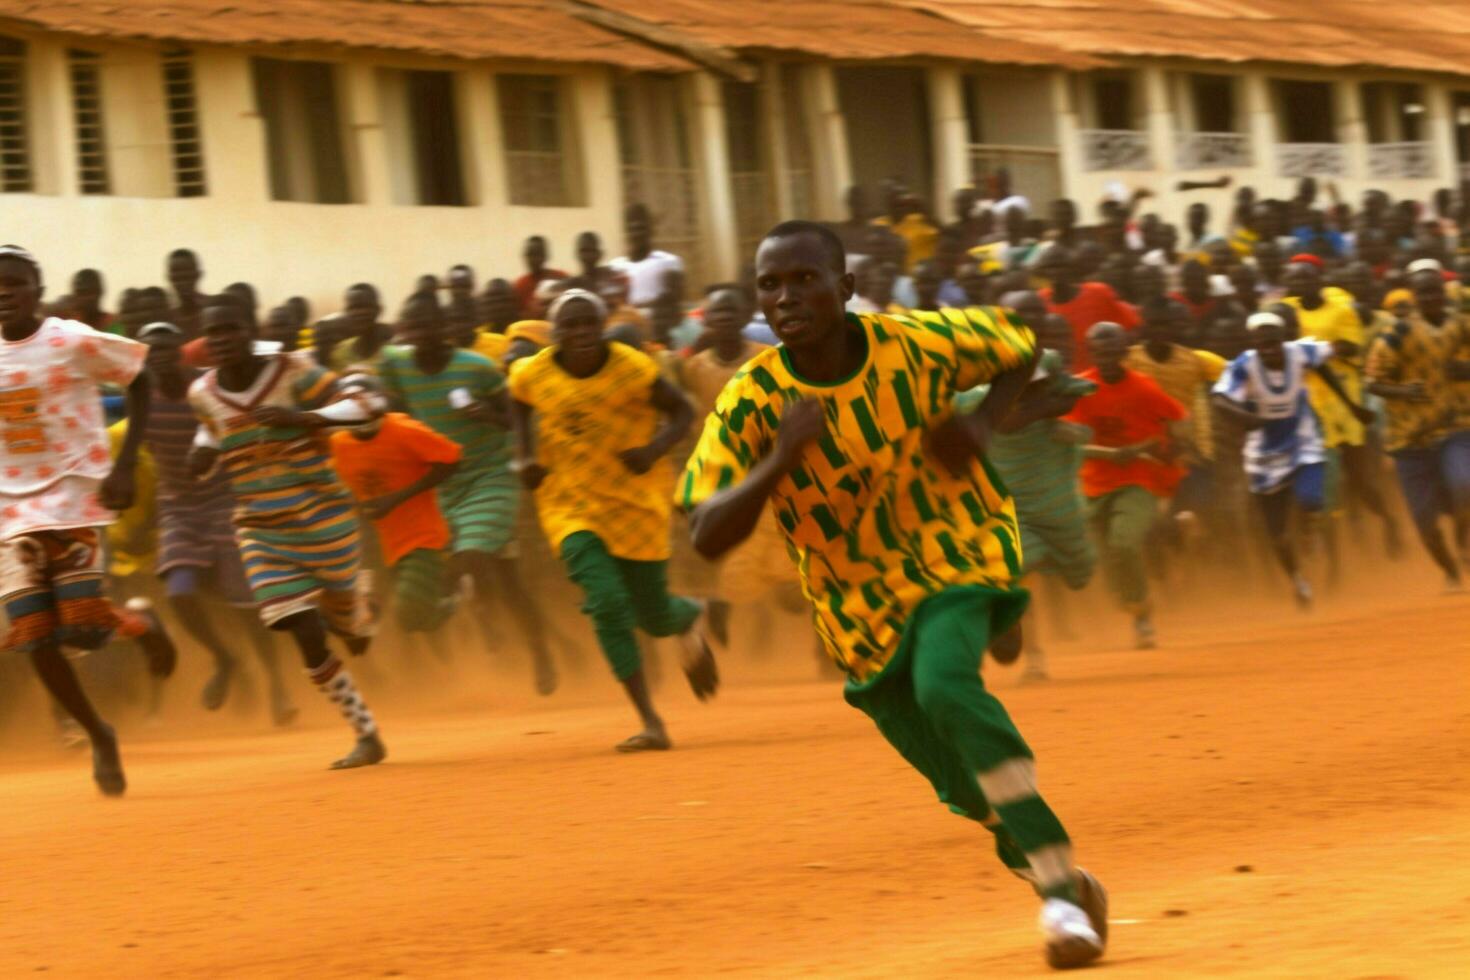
(1424,36)
(466,29)
(845,29)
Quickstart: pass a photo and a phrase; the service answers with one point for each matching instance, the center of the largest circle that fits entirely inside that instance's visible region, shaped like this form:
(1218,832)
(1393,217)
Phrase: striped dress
(195,517)
(480,500)
(295,524)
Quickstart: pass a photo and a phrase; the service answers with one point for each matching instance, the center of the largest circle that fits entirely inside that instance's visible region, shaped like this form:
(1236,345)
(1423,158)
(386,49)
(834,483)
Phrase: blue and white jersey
(1292,436)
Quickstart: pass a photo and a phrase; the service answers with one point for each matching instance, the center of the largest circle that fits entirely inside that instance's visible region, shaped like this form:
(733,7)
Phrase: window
(1393,112)
(1304,112)
(1213,99)
(434,129)
(15,137)
(185,142)
(297,100)
(541,159)
(1112,101)
(86,99)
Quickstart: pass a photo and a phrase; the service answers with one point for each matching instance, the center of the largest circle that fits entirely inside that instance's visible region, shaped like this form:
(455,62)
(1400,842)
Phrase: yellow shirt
(1335,320)
(922,238)
(581,426)
(704,375)
(133,538)
(876,526)
(1185,377)
(491,345)
(537,332)
(1419,353)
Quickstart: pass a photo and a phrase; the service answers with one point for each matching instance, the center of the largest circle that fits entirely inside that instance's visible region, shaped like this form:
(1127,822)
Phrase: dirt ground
(1269,794)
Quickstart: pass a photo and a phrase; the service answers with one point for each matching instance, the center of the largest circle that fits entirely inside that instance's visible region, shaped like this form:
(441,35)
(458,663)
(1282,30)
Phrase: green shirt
(426,398)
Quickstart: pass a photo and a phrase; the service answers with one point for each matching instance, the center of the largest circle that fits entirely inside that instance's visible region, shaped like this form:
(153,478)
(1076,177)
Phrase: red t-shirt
(1094,303)
(525,287)
(397,456)
(1122,414)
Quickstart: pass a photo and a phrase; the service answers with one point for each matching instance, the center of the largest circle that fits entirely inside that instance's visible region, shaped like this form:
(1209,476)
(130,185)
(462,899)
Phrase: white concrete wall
(293,248)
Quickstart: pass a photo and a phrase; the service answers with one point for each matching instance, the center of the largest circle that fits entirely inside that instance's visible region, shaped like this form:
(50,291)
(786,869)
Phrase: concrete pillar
(773,117)
(1440,132)
(480,140)
(831,163)
(1069,147)
(598,150)
(1159,124)
(368,146)
(1352,131)
(950,131)
(713,153)
(53,129)
(232,128)
(1261,121)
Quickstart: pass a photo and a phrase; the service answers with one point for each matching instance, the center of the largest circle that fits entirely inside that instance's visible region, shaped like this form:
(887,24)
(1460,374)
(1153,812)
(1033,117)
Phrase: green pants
(1121,521)
(931,705)
(621,594)
(423,596)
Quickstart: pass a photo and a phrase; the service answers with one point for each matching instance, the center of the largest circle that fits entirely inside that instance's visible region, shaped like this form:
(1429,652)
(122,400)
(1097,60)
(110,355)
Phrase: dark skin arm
(1359,412)
(380,507)
(1246,418)
(522,418)
(490,410)
(955,442)
(1037,402)
(118,490)
(729,516)
(678,416)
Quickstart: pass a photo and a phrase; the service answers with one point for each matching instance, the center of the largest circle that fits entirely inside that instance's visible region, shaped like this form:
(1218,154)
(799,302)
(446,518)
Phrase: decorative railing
(1035,171)
(1311,160)
(1211,151)
(1401,160)
(1115,149)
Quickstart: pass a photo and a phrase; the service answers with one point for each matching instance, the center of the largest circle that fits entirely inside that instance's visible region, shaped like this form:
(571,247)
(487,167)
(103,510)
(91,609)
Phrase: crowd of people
(922,415)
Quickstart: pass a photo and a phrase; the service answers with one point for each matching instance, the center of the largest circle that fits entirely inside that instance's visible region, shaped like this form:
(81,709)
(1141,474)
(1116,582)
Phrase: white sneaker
(1303,591)
(1071,941)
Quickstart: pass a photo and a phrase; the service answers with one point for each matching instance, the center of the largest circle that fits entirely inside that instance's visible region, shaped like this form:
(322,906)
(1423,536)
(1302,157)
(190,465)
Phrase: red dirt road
(1282,797)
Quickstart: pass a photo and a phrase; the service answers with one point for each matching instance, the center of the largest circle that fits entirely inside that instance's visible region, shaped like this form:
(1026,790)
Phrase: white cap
(1258,320)
(1424,265)
(1220,285)
(158,327)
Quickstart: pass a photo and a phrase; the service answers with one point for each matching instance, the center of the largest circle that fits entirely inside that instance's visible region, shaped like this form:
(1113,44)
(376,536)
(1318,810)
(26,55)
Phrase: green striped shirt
(426,398)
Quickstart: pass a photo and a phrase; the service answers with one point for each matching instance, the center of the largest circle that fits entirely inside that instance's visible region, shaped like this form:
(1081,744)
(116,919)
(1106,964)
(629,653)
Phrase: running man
(1128,468)
(461,396)
(59,486)
(262,415)
(1264,390)
(1038,457)
(1411,366)
(198,559)
(1326,313)
(591,448)
(392,465)
(907,548)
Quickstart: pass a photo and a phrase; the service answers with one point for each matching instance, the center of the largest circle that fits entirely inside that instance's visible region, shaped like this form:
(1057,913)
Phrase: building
(304,144)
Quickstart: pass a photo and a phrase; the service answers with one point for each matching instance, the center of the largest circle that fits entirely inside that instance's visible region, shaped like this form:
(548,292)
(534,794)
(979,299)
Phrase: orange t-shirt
(1123,414)
(398,456)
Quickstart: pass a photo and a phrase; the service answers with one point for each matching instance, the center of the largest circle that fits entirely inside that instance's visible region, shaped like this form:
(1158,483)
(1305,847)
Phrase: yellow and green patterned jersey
(876,525)
(581,426)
